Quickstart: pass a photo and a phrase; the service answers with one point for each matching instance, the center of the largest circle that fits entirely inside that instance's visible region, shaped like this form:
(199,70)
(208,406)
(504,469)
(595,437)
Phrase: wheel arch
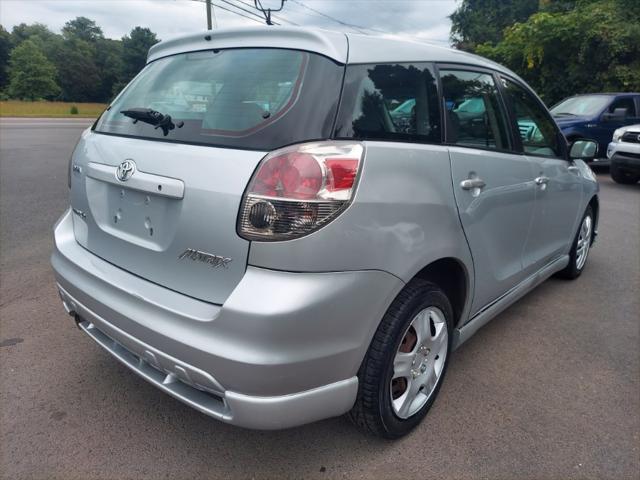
(594,203)
(451,275)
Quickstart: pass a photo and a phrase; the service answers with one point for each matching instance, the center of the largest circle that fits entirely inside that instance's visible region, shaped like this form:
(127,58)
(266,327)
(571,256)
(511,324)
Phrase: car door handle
(471,183)
(542,180)
(573,169)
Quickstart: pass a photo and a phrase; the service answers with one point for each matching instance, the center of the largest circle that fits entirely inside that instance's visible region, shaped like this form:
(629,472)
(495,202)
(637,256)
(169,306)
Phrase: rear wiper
(152,117)
(565,113)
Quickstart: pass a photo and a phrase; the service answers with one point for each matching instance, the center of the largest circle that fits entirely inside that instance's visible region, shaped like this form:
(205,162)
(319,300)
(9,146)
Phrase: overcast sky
(421,19)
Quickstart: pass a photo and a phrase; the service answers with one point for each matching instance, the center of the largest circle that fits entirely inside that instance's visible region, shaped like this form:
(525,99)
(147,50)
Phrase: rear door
(558,186)
(162,201)
(493,185)
(173,221)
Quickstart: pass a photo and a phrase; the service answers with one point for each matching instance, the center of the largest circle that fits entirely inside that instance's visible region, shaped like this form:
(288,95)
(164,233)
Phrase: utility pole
(210,13)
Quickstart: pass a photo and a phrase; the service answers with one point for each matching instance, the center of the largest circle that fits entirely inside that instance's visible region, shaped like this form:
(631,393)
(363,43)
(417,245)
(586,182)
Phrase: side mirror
(619,114)
(583,149)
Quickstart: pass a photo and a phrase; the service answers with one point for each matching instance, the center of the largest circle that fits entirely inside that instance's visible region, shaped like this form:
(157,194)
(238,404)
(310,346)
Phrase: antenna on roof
(267,11)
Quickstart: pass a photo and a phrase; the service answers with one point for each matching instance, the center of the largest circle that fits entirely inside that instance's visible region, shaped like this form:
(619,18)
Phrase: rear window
(258,99)
(390,102)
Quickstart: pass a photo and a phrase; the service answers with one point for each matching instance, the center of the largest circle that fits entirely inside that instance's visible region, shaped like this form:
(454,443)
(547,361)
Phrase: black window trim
(465,67)
(562,141)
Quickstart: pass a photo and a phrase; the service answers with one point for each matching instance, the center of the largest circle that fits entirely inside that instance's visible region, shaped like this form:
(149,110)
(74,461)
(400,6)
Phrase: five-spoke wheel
(406,362)
(419,362)
(584,241)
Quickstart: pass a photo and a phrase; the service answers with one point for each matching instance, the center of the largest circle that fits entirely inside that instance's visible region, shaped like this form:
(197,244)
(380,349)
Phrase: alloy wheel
(419,362)
(584,242)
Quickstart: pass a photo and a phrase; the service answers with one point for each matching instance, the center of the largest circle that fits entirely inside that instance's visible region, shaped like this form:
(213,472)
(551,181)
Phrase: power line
(237,13)
(273,16)
(251,12)
(231,11)
(258,18)
(357,28)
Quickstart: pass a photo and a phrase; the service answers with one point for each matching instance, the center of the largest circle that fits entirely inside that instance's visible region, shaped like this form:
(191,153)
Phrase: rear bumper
(283,350)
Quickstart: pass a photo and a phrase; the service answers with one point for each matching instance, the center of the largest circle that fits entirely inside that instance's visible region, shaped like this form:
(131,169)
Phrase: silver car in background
(624,154)
(253,231)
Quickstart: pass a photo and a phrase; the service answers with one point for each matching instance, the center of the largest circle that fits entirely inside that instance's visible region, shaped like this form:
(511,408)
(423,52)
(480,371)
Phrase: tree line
(77,65)
(560,47)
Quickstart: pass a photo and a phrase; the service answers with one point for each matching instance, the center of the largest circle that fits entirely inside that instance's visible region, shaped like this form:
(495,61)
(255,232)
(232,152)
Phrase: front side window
(255,98)
(390,102)
(537,129)
(475,116)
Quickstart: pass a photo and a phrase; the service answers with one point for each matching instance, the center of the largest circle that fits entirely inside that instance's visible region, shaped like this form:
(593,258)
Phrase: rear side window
(390,102)
(474,113)
(251,98)
(627,103)
(537,130)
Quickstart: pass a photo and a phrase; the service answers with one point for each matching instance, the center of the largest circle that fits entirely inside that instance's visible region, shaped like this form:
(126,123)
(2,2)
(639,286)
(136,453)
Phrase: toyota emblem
(125,170)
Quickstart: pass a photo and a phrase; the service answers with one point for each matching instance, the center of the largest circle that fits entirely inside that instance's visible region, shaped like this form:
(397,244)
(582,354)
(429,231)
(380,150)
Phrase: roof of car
(341,47)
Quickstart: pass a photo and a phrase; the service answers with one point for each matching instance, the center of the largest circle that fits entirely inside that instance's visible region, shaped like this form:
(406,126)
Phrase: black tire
(622,176)
(373,411)
(572,271)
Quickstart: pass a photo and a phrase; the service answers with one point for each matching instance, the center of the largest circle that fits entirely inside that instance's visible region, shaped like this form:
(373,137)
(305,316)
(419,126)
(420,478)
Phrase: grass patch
(16,108)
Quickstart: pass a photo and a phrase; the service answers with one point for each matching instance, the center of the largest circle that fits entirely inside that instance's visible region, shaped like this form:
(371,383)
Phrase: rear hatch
(162,203)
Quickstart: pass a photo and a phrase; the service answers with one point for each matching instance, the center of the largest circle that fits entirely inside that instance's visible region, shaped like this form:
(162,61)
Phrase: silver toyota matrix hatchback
(278,225)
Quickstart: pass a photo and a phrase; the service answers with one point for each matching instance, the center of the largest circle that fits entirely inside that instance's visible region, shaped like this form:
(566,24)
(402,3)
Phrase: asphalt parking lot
(549,389)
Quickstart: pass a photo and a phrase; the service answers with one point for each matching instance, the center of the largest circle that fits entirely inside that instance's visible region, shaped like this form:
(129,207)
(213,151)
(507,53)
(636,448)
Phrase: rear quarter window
(390,102)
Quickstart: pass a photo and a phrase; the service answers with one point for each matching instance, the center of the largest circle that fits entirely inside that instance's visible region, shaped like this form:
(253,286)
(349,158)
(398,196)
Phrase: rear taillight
(298,189)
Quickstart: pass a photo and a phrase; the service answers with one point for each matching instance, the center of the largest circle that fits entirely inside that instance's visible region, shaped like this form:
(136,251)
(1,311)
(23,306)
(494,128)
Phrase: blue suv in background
(596,116)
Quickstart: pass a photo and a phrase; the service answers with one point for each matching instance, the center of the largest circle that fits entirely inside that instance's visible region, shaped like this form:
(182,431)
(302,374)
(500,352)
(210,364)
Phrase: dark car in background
(596,116)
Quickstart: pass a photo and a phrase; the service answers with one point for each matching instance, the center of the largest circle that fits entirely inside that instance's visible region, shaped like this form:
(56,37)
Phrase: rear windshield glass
(257,99)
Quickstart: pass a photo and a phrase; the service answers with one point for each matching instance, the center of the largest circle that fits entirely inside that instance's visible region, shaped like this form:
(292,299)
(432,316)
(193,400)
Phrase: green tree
(593,47)
(78,74)
(110,65)
(135,47)
(45,39)
(77,59)
(23,32)
(88,66)
(82,28)
(31,75)
(5,50)
(477,22)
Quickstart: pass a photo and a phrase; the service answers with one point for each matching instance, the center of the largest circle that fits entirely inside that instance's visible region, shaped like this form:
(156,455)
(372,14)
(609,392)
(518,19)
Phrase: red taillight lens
(292,175)
(298,189)
(343,173)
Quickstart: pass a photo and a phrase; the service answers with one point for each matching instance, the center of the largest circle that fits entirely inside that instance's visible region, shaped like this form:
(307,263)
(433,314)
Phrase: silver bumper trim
(170,383)
(202,392)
